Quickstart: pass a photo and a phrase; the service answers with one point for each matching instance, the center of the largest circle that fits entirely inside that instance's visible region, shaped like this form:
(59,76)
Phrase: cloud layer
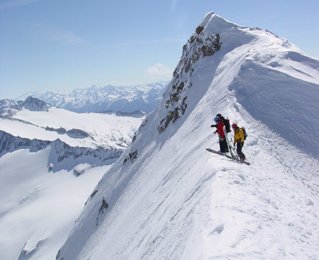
(15,3)
(159,70)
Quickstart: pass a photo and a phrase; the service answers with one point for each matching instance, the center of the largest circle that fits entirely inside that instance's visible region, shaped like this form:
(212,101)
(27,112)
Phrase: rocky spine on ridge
(200,45)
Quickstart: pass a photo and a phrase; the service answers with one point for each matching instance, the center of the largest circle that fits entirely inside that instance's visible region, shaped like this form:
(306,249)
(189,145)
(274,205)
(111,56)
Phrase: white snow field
(175,200)
(38,206)
(104,130)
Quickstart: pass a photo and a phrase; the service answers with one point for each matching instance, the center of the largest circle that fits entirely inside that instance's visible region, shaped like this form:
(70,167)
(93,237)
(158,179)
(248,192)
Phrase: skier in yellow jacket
(239,139)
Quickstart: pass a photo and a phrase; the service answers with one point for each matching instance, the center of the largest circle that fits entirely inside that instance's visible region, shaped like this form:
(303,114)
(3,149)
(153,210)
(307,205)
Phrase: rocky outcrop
(8,107)
(74,133)
(30,250)
(10,143)
(77,133)
(35,104)
(200,45)
(61,156)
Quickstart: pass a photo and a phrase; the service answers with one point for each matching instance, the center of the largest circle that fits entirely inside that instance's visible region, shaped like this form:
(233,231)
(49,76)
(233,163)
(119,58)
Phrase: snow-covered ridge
(166,186)
(62,156)
(10,143)
(110,98)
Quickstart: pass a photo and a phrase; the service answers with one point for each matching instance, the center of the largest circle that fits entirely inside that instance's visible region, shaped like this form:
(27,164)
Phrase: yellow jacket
(239,135)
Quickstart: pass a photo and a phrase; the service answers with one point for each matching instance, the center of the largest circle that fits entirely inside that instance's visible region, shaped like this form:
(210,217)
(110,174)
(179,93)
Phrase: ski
(228,156)
(230,148)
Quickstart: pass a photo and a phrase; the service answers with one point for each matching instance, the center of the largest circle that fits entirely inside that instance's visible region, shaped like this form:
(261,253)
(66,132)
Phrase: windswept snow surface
(176,200)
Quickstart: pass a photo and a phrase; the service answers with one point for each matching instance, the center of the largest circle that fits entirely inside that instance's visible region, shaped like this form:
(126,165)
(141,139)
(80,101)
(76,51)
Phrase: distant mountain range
(110,98)
(9,107)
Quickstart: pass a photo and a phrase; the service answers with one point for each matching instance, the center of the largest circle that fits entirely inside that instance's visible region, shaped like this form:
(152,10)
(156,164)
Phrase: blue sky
(67,44)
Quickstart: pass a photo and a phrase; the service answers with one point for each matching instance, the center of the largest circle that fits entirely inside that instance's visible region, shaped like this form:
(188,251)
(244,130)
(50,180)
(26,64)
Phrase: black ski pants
(223,145)
(239,150)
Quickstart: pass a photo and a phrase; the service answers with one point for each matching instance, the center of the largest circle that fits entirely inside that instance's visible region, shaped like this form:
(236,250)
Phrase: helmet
(234,126)
(216,119)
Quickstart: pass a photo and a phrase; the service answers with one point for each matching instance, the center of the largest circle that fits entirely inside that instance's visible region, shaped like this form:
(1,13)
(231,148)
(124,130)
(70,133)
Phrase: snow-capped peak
(215,23)
(9,107)
(108,98)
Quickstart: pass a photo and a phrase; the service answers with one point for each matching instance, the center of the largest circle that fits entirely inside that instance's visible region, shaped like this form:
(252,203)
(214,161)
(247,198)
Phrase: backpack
(226,124)
(245,133)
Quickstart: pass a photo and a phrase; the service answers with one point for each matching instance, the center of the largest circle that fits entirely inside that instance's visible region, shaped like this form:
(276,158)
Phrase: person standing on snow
(221,134)
(239,139)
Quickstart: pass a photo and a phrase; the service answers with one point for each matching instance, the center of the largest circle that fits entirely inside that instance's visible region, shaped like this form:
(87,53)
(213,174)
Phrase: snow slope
(38,208)
(174,200)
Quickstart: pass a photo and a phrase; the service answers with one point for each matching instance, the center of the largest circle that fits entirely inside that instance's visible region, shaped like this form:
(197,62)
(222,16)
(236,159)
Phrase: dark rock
(199,29)
(35,104)
(104,206)
(130,157)
(77,133)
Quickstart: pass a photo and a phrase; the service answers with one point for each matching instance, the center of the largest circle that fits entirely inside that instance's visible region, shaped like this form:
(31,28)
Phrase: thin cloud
(182,40)
(65,38)
(173,5)
(159,70)
(131,43)
(55,34)
(16,3)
